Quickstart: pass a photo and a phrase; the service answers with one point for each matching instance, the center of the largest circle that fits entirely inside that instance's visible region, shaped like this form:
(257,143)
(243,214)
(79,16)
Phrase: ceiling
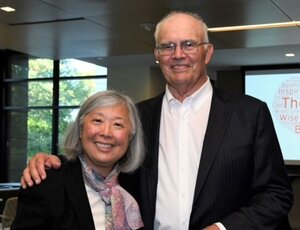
(104,31)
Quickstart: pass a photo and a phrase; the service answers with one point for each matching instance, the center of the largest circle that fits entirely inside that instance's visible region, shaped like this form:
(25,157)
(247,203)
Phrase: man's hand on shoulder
(35,170)
(212,227)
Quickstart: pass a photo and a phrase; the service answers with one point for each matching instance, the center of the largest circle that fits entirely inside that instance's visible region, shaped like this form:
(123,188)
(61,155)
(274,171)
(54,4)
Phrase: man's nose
(178,52)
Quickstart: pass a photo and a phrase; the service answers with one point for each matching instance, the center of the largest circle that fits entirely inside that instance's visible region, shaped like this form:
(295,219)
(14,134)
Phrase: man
(213,158)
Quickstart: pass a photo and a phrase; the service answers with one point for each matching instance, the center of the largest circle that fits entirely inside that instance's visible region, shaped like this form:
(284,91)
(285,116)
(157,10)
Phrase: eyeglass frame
(173,46)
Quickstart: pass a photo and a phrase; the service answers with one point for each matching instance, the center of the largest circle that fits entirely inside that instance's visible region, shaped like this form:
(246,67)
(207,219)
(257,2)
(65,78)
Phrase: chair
(9,212)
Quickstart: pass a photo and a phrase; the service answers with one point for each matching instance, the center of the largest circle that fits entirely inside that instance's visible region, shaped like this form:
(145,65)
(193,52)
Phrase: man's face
(183,71)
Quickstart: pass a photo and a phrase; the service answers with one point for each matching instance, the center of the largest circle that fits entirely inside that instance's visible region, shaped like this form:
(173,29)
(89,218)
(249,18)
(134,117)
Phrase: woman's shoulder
(67,166)
(56,178)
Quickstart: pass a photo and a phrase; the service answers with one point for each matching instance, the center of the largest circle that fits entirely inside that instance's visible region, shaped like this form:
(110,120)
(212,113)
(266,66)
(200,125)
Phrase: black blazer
(242,181)
(60,202)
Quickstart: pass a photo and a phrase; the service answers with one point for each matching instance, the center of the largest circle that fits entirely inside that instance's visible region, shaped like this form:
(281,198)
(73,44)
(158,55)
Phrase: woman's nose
(106,130)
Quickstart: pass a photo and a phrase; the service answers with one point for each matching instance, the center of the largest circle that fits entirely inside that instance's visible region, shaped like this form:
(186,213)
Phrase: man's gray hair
(174,13)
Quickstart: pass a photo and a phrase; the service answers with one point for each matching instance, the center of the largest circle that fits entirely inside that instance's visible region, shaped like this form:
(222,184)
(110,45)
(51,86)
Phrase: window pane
(23,68)
(74,92)
(27,134)
(17,94)
(18,67)
(73,67)
(40,68)
(66,117)
(39,131)
(40,93)
(16,144)
(25,94)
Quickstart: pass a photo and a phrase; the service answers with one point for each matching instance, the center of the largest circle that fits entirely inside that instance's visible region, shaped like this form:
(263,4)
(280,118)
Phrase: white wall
(138,82)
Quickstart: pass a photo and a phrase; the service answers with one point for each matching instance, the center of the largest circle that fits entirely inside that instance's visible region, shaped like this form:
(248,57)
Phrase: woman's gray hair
(135,153)
(202,24)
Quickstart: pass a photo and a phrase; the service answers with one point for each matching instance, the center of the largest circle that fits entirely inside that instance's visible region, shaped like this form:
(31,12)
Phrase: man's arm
(35,171)
(272,195)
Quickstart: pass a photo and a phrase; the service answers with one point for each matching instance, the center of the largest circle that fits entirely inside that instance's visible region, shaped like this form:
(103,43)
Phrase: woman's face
(105,137)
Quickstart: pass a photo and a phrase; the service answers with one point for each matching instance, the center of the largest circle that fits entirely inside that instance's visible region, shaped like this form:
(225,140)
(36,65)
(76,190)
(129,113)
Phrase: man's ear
(156,54)
(209,52)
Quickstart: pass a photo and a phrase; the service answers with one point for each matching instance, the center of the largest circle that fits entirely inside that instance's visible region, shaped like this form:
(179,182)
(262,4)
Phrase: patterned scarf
(121,210)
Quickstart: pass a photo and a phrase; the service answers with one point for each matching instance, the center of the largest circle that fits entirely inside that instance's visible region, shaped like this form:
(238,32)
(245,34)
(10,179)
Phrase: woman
(105,139)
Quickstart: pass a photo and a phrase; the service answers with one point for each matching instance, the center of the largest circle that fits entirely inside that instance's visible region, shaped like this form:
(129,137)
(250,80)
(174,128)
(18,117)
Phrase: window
(42,97)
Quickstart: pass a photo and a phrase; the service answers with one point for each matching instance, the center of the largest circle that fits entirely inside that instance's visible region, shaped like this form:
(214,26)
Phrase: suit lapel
(78,197)
(150,115)
(217,123)
(154,135)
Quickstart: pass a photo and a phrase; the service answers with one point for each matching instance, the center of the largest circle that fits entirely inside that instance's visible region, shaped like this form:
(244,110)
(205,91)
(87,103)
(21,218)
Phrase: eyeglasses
(187,47)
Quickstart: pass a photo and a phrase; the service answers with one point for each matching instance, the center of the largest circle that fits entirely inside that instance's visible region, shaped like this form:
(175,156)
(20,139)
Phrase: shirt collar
(197,98)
